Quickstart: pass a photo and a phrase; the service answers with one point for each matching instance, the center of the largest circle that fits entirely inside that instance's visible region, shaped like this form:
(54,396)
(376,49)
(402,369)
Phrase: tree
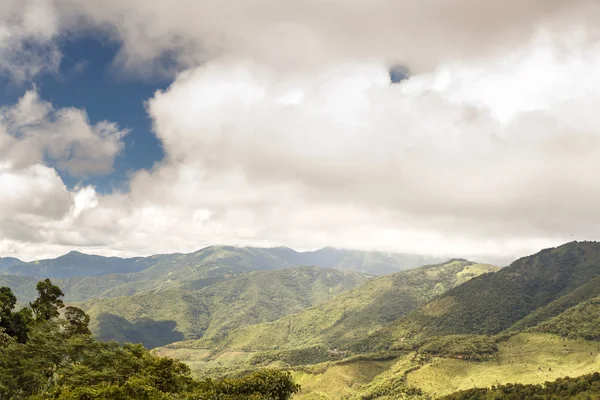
(7,304)
(58,359)
(13,324)
(46,306)
(20,326)
(77,322)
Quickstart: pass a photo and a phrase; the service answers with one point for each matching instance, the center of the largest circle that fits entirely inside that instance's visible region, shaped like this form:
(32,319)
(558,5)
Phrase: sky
(456,127)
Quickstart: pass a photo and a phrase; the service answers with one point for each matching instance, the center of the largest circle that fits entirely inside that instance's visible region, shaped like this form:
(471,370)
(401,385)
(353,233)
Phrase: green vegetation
(51,357)
(527,358)
(467,347)
(418,334)
(156,319)
(492,303)
(351,316)
(581,321)
(583,387)
(84,277)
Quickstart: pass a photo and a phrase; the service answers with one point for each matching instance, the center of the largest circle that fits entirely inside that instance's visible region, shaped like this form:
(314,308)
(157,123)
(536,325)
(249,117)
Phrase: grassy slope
(215,309)
(354,314)
(525,358)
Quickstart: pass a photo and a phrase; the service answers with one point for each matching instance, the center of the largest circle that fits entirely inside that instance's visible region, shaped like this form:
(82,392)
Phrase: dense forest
(47,352)
(583,387)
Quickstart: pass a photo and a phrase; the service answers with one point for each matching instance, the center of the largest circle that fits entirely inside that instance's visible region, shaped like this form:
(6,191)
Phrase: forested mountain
(84,277)
(352,315)
(420,333)
(433,330)
(494,302)
(198,309)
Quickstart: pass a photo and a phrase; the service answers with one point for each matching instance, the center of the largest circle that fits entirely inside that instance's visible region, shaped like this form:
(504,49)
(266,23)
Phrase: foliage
(295,357)
(156,319)
(583,293)
(60,360)
(48,303)
(583,387)
(467,347)
(350,317)
(581,321)
(492,303)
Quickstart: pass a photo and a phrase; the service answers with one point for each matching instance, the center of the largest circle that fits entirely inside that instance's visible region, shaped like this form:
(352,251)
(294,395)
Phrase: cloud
(292,35)
(281,127)
(318,158)
(32,131)
(27,32)
(37,142)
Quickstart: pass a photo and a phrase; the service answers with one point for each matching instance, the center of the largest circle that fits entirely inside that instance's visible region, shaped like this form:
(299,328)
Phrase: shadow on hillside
(146,331)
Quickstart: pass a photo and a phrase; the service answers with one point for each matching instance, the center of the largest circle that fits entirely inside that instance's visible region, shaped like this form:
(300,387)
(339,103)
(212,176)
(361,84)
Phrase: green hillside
(354,314)
(492,303)
(583,293)
(430,331)
(84,277)
(196,310)
(581,321)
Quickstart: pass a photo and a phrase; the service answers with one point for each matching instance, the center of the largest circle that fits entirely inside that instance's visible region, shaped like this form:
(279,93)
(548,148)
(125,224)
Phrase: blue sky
(87,79)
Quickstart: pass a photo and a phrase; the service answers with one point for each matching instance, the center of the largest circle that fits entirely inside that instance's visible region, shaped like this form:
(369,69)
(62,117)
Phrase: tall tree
(7,304)
(77,321)
(46,306)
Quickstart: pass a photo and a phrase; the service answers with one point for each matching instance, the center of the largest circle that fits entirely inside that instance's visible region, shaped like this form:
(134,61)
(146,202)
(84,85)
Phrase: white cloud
(281,127)
(27,30)
(32,132)
(36,142)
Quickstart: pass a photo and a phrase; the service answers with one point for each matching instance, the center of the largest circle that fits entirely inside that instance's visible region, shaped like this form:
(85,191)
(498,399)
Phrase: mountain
(374,263)
(243,259)
(83,277)
(578,322)
(492,303)
(197,310)
(8,262)
(78,264)
(352,315)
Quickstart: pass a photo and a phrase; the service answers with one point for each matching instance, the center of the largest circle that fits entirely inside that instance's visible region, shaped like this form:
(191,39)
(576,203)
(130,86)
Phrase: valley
(421,332)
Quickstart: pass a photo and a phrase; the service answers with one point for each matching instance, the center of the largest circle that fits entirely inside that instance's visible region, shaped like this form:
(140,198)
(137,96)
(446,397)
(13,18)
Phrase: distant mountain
(352,315)
(198,310)
(374,263)
(242,259)
(8,262)
(78,264)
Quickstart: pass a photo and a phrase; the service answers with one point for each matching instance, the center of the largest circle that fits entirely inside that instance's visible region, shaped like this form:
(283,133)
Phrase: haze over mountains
(76,264)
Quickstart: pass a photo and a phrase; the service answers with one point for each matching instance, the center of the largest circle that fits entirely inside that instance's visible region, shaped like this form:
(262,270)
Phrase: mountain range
(76,264)
(347,324)
(430,331)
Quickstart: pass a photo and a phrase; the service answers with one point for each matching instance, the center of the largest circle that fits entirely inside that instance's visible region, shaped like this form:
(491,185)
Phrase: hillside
(430,331)
(354,314)
(581,321)
(492,303)
(197,310)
